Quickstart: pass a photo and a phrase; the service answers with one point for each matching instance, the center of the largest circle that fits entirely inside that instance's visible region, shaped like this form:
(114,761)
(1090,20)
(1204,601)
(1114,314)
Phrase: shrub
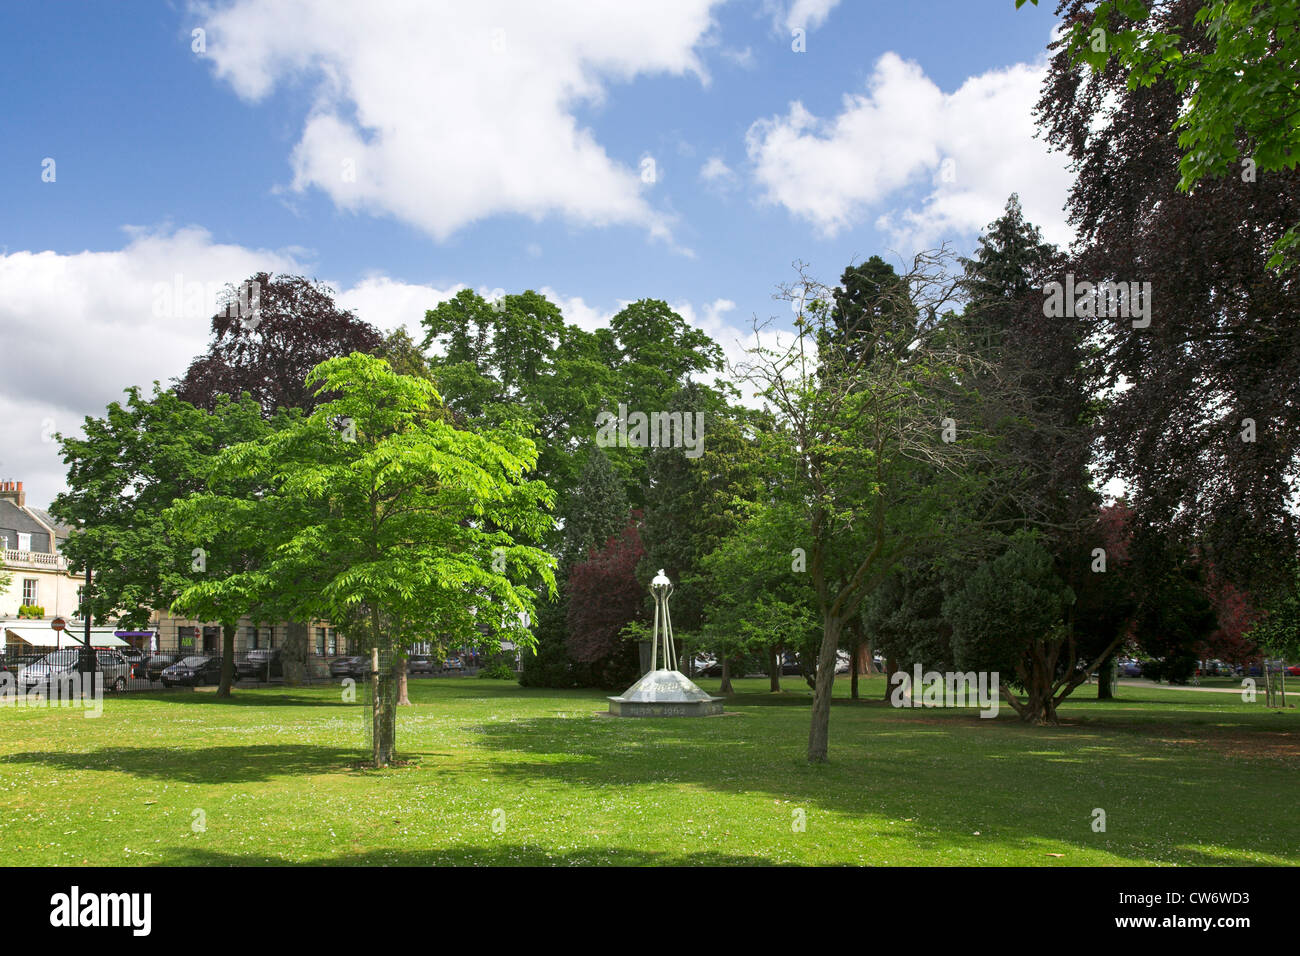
(498,670)
(31,610)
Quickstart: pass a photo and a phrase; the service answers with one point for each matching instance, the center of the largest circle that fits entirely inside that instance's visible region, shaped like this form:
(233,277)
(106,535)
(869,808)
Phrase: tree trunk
(402,699)
(866,658)
(819,731)
(726,688)
(775,670)
(293,654)
(854,653)
(227,659)
(377,721)
(1106,680)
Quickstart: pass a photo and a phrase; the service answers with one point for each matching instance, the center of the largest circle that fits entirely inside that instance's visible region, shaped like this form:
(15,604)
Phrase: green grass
(1184,778)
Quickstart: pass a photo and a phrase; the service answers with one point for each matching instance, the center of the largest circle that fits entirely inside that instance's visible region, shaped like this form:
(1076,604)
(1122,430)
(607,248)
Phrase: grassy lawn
(1184,778)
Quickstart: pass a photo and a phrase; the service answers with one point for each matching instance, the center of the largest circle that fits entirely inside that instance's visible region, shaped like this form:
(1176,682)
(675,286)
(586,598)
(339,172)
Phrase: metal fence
(124,672)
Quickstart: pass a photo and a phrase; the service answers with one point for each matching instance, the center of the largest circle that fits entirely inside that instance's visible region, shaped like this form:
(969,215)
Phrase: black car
(260,665)
(354,667)
(419,664)
(193,671)
(155,665)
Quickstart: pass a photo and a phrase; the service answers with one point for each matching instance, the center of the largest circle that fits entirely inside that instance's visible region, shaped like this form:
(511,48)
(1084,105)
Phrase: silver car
(116,668)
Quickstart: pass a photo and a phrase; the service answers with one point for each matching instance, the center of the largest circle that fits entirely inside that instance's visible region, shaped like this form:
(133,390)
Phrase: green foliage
(387,520)
(1234,68)
(1009,611)
(1278,631)
(498,670)
(124,474)
(31,611)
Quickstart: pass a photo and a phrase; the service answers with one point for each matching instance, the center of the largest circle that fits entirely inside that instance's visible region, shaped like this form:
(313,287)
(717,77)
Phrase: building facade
(30,554)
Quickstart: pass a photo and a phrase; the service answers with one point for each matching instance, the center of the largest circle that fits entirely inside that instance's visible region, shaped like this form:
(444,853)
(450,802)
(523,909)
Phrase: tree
(1201,419)
(388,521)
(759,598)
(276,330)
(1232,66)
(595,511)
(1010,618)
(123,476)
(1278,630)
(864,458)
(604,597)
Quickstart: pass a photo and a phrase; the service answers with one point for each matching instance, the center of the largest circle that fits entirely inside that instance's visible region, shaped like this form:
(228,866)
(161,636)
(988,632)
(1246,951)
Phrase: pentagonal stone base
(664,693)
(636,708)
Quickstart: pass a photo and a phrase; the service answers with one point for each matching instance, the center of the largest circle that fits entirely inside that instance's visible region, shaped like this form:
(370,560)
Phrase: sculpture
(664,691)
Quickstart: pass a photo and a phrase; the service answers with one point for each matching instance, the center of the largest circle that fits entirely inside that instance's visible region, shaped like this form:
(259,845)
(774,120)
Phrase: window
(24,542)
(211,639)
(332,642)
(31,591)
(185,637)
(320,640)
(252,638)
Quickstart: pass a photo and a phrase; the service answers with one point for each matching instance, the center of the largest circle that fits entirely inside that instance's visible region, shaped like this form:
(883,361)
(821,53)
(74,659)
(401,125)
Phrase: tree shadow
(991,775)
(503,852)
(239,764)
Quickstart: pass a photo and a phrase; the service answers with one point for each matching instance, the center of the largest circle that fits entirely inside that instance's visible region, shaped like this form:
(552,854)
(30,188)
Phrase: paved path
(1128,682)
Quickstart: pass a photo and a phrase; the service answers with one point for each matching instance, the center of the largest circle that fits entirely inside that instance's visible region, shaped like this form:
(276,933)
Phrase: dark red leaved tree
(605,596)
(265,344)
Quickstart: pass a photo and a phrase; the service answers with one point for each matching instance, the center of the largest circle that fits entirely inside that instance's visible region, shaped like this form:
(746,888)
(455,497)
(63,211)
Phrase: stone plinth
(665,693)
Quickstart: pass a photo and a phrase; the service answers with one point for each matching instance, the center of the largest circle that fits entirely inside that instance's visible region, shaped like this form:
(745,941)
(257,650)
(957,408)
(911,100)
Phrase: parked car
(1293,670)
(156,664)
(260,665)
(453,664)
(135,659)
(790,666)
(1129,668)
(192,671)
(13,663)
(354,667)
(111,663)
(419,664)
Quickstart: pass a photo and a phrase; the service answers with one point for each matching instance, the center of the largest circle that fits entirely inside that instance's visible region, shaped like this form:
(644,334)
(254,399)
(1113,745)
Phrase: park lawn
(498,774)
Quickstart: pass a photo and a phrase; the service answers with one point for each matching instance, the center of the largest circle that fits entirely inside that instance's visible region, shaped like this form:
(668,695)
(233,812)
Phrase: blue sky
(495,145)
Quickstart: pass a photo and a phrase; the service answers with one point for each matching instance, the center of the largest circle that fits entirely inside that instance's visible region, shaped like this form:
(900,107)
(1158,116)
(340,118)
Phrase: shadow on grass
(245,764)
(273,696)
(955,774)
(501,853)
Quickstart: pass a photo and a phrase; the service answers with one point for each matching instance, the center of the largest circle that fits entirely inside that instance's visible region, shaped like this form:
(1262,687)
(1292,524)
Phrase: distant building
(30,553)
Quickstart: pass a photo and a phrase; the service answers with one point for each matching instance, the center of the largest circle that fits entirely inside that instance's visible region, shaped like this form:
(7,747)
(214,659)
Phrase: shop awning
(42,635)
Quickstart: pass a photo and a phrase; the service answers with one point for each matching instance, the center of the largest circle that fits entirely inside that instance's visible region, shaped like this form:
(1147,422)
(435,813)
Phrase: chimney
(13,491)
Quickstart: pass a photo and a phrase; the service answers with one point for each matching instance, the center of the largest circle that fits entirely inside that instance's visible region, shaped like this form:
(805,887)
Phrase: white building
(30,541)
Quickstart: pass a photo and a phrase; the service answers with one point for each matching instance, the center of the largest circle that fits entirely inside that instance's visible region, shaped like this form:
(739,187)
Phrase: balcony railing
(35,559)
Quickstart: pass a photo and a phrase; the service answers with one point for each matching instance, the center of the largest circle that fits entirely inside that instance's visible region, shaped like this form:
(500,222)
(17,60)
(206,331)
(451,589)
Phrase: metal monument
(664,691)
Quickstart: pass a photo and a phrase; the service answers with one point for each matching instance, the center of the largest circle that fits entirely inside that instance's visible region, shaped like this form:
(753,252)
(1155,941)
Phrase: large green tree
(123,475)
(389,521)
(865,458)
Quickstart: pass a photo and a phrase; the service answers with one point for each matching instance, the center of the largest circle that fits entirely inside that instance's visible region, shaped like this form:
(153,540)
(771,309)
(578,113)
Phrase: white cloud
(442,115)
(716,172)
(806,14)
(388,303)
(974,147)
(80,328)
